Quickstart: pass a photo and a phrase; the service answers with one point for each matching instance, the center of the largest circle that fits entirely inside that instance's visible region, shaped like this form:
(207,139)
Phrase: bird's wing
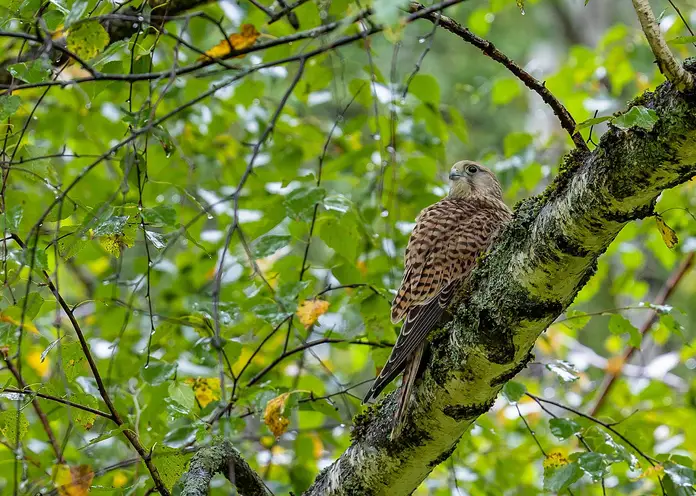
(441,252)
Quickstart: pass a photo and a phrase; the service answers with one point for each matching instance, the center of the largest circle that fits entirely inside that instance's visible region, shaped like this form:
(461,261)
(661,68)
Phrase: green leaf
(270,312)
(505,90)
(87,39)
(593,122)
(8,425)
(112,225)
(35,258)
(300,202)
(161,215)
(594,464)
(82,417)
(576,320)
(426,88)
(33,302)
(322,405)
(513,391)
(340,234)
(565,370)
(182,394)
(164,138)
(387,11)
(156,372)
(638,116)
(338,203)
(107,435)
(458,127)
(77,11)
(682,40)
(269,244)
(170,463)
(619,325)
(680,475)
(11,218)
(559,478)
(36,71)
(9,104)
(73,359)
(670,323)
(564,428)
(515,142)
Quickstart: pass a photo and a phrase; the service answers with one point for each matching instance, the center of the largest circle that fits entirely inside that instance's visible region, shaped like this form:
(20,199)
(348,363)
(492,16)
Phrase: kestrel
(441,253)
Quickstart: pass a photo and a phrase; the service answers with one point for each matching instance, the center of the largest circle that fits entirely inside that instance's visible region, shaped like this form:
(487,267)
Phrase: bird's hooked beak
(454,176)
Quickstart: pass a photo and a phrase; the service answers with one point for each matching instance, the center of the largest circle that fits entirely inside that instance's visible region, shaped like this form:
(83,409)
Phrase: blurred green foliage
(183,266)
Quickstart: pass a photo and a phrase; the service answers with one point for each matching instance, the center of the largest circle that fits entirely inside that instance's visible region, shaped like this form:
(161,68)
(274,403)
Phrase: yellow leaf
(668,234)
(273,415)
(120,479)
(236,41)
(614,365)
(116,243)
(657,470)
(309,311)
(11,320)
(86,39)
(555,459)
(206,390)
(72,481)
(35,362)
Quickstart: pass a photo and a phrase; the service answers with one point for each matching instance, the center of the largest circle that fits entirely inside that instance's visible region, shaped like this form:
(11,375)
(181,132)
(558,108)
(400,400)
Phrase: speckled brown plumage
(442,250)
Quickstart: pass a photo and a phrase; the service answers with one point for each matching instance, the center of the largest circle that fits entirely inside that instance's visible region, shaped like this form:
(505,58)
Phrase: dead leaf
(309,311)
(72,481)
(235,42)
(273,415)
(668,235)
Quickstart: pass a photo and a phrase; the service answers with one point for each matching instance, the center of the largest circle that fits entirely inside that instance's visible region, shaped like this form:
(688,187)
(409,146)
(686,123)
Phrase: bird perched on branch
(441,253)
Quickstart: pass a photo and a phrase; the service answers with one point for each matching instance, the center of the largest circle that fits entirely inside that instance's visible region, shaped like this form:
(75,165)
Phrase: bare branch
(566,120)
(669,66)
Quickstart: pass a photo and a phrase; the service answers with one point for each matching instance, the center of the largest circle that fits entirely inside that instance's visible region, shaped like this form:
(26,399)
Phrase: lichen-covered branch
(669,66)
(221,458)
(544,257)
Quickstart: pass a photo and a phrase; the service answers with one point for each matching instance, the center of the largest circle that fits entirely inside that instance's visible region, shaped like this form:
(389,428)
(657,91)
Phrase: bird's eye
(472,169)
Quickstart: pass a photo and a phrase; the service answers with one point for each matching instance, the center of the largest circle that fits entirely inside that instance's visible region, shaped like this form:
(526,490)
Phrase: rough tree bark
(225,459)
(540,263)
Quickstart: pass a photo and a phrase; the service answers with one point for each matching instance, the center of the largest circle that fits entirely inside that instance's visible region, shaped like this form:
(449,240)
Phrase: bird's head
(469,179)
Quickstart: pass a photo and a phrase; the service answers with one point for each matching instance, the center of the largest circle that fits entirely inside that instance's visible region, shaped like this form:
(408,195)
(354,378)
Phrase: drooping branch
(566,120)
(668,64)
(540,263)
(221,458)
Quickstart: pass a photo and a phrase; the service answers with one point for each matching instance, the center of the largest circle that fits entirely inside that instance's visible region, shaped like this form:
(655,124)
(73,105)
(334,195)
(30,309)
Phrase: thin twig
(666,291)
(566,120)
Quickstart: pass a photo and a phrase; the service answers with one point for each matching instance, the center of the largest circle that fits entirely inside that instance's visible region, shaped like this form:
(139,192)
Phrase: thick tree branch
(566,120)
(541,261)
(669,66)
(221,458)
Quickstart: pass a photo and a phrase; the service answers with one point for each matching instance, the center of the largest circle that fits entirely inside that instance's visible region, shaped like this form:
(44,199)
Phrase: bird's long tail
(405,390)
